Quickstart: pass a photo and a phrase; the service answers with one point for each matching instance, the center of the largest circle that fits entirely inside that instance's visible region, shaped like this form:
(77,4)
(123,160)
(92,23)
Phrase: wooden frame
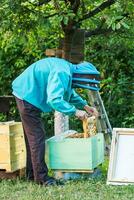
(121,164)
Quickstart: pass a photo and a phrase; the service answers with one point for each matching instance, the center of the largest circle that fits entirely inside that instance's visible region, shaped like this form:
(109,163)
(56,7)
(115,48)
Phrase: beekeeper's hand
(80,114)
(91,111)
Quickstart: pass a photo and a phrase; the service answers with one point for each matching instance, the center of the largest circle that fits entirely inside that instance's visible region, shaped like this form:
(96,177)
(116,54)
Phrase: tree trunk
(73,45)
(73,48)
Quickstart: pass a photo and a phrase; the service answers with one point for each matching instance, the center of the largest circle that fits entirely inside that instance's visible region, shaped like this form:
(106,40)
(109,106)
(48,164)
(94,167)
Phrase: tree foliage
(114,56)
(28,28)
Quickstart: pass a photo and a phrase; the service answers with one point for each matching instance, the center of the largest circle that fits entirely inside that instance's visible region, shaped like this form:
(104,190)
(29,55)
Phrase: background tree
(28,28)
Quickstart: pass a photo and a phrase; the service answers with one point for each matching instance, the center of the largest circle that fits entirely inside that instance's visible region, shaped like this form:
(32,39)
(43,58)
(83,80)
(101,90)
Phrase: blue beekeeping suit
(47,84)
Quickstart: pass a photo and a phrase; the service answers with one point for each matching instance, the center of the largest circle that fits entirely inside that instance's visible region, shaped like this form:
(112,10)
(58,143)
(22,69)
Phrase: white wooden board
(121,165)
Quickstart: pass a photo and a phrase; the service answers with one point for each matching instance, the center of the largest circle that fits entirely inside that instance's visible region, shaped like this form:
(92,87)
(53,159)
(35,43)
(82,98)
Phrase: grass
(84,189)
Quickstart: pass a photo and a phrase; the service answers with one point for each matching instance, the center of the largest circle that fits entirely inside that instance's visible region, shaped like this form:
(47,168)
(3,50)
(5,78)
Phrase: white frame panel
(115,172)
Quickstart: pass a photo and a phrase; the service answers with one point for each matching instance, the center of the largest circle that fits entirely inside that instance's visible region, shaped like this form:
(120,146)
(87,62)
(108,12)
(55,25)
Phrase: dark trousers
(35,141)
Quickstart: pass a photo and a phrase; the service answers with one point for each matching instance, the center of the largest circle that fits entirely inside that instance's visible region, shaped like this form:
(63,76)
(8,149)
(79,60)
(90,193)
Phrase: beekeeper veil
(85,75)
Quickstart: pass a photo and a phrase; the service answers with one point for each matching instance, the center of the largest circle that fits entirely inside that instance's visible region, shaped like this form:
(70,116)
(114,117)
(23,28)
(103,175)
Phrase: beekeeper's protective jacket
(47,84)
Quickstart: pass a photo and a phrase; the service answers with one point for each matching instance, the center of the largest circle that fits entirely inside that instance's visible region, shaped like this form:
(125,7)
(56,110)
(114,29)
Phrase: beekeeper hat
(85,75)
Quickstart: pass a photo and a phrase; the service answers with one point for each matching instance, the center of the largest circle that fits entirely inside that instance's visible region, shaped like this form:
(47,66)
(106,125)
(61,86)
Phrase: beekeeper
(44,86)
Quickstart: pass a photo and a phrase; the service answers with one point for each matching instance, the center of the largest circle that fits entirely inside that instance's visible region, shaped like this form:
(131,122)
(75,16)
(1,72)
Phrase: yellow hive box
(12,146)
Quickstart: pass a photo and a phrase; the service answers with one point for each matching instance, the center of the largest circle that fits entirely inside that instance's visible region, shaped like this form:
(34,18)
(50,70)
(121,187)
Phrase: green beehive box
(75,153)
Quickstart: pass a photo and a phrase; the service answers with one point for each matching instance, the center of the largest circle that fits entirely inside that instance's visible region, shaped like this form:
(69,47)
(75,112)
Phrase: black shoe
(50,181)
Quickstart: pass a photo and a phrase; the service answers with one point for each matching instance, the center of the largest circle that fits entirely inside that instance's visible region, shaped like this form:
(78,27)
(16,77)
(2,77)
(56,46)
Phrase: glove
(91,111)
(80,114)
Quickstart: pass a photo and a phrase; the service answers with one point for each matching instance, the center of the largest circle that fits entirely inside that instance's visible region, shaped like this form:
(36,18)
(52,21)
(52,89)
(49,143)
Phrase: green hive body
(76,153)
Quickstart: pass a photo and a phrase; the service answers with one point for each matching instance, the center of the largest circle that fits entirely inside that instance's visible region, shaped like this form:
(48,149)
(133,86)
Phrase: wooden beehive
(12,146)
(79,154)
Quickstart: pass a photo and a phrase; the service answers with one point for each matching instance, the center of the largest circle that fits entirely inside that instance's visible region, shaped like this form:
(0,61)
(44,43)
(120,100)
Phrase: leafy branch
(100,8)
(42,2)
(100,30)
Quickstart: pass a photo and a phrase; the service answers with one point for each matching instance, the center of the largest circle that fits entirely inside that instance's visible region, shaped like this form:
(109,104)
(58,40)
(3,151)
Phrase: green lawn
(94,189)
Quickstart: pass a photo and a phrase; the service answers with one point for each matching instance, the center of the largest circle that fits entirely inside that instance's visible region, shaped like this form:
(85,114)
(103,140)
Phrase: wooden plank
(121,163)
(16,143)
(125,133)
(4,156)
(17,147)
(4,129)
(12,146)
(17,158)
(124,130)
(5,166)
(85,128)
(4,138)
(12,175)
(74,170)
(14,165)
(17,164)
(16,129)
